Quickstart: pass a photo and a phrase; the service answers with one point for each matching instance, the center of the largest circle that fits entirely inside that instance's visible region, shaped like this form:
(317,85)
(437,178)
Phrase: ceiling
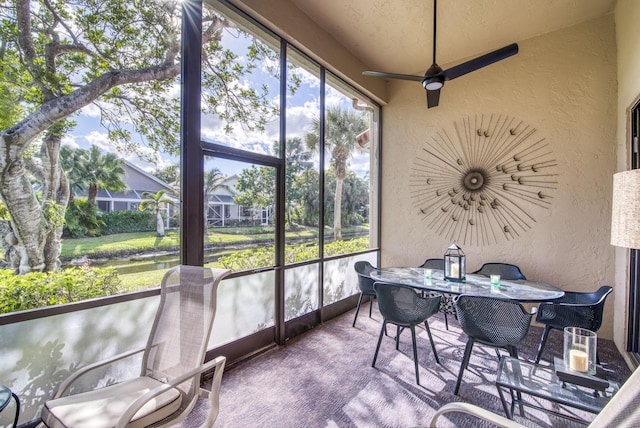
(397,35)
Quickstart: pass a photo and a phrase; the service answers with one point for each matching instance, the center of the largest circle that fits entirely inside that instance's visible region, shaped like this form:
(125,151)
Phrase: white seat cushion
(102,407)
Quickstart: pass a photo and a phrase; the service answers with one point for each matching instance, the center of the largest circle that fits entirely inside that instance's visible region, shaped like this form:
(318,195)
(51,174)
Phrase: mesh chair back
(575,309)
(365,282)
(433,264)
(180,332)
(401,305)
(505,270)
(493,321)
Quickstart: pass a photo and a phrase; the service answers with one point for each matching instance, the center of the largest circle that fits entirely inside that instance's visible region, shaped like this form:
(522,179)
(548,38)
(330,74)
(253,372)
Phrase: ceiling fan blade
(480,62)
(393,75)
(433,98)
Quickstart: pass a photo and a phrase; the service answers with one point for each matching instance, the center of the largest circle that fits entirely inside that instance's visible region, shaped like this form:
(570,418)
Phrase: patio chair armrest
(64,386)
(476,411)
(136,405)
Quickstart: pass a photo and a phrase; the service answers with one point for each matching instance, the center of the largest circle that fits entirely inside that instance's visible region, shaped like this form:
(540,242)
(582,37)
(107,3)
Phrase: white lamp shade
(625,210)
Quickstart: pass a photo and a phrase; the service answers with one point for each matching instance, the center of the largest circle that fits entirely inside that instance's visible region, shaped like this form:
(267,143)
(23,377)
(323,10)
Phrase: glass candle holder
(495,280)
(580,347)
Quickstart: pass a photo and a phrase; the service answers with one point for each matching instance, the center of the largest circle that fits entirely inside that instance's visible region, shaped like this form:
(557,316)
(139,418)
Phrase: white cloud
(101,140)
(300,118)
(70,140)
(90,110)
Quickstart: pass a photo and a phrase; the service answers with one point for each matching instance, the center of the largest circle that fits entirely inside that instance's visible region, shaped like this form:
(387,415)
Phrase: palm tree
(155,202)
(341,129)
(213,180)
(72,164)
(91,170)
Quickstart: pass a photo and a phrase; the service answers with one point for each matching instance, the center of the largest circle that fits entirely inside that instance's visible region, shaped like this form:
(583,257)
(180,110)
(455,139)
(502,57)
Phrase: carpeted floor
(324,378)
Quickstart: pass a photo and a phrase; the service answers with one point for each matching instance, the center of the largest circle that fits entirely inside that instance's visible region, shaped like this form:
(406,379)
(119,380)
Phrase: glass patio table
(5,397)
(517,376)
(476,285)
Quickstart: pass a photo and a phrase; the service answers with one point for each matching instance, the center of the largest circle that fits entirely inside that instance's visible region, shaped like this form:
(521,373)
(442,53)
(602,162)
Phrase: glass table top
(478,285)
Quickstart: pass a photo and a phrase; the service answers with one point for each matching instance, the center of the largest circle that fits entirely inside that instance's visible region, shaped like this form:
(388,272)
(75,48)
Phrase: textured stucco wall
(627,16)
(564,85)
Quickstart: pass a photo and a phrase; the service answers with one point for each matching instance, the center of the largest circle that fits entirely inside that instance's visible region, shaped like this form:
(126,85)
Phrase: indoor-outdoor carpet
(324,378)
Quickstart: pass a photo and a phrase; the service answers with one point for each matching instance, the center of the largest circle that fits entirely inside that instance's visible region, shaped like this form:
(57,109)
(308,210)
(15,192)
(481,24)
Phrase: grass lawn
(140,242)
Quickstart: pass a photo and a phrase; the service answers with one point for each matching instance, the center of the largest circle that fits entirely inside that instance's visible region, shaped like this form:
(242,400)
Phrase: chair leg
(370,305)
(375,356)
(415,353)
(357,310)
(543,341)
(398,331)
(446,322)
(463,366)
(433,346)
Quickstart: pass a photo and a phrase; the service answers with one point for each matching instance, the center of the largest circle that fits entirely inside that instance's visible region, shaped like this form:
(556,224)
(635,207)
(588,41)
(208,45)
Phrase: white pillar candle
(455,270)
(578,360)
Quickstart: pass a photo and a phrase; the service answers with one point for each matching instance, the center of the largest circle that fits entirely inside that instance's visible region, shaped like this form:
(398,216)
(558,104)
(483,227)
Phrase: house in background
(137,181)
(222,211)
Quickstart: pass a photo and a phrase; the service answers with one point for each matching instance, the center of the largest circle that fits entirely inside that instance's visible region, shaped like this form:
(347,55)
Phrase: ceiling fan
(434,78)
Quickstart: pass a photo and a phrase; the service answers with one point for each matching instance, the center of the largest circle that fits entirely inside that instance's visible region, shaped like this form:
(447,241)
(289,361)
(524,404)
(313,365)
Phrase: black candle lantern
(455,265)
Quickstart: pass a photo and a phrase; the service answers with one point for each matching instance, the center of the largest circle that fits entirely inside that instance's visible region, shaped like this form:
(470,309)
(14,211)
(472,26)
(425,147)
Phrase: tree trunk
(93,193)
(337,211)
(159,224)
(56,193)
(340,155)
(37,231)
(27,222)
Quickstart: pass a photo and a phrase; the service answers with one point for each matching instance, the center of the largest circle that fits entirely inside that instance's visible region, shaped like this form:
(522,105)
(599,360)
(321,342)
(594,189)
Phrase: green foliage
(40,289)
(127,221)
(4,212)
(54,213)
(254,230)
(91,170)
(169,174)
(255,258)
(355,199)
(154,201)
(256,187)
(82,219)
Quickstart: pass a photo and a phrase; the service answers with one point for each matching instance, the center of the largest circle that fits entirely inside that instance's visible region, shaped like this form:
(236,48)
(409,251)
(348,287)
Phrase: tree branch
(23,15)
(48,113)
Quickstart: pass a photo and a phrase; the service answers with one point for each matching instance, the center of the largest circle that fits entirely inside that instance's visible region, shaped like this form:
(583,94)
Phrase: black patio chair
(433,264)
(574,309)
(493,322)
(446,306)
(505,270)
(365,283)
(403,307)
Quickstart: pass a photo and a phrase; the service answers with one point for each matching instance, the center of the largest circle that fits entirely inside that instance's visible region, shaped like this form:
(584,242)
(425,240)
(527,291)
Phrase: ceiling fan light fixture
(434,78)
(432,83)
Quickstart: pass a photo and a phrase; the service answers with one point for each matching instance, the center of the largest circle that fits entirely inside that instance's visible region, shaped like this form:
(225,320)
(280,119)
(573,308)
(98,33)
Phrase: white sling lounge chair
(172,364)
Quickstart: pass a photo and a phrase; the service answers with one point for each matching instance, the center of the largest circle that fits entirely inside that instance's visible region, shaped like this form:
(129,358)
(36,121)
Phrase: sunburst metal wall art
(483,181)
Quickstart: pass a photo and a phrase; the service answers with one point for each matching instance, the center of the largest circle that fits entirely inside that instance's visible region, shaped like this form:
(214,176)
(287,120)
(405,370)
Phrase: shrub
(263,256)
(39,289)
(82,218)
(128,221)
